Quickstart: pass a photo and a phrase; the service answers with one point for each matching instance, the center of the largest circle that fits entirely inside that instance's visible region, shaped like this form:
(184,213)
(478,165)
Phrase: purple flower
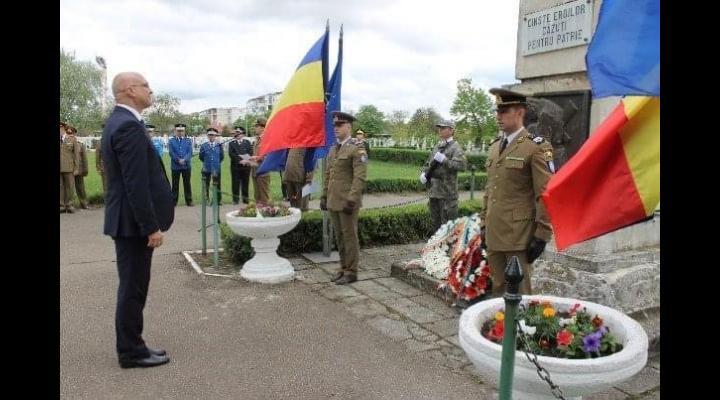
(591,342)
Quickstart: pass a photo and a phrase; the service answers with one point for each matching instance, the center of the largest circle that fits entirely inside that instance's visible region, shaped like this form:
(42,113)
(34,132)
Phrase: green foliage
(473,109)
(383,226)
(81,93)
(370,120)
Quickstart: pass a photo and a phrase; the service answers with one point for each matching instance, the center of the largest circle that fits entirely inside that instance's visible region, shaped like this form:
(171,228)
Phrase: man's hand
(76,172)
(323,203)
(535,249)
(155,239)
(440,157)
(349,208)
(423,178)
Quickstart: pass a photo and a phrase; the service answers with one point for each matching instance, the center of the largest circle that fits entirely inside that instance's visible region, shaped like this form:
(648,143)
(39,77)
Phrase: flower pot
(266,266)
(575,377)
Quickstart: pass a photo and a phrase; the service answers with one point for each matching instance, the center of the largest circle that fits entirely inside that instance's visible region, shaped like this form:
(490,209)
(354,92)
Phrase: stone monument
(620,269)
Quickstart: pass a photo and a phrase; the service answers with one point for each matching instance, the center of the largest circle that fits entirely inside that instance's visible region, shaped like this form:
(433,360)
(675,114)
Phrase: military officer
(440,171)
(261,184)
(99,164)
(342,194)
(83,170)
(211,155)
(239,173)
(360,136)
(295,178)
(181,149)
(69,168)
(519,166)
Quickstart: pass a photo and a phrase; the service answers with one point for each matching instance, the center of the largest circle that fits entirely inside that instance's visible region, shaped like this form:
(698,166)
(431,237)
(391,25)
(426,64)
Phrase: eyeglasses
(145,85)
(340,123)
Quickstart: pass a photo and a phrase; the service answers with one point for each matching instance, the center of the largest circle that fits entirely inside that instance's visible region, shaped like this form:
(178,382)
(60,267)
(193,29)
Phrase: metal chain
(542,372)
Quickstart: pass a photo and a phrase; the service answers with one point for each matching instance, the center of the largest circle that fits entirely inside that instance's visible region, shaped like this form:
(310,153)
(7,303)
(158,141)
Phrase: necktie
(503,145)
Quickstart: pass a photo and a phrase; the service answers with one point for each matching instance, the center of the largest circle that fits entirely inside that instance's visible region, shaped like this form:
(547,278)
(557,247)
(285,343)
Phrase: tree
(422,123)
(195,123)
(398,126)
(474,110)
(370,120)
(81,93)
(164,113)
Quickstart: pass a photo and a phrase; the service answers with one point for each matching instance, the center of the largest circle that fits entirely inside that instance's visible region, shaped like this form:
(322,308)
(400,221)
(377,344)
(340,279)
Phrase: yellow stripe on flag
(305,86)
(641,141)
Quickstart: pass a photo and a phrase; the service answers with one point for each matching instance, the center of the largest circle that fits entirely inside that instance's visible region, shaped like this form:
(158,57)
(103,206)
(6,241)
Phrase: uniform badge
(548,155)
(538,139)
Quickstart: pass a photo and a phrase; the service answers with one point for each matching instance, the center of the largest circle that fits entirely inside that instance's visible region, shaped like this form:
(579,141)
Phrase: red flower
(564,337)
(534,303)
(482,282)
(497,331)
(597,322)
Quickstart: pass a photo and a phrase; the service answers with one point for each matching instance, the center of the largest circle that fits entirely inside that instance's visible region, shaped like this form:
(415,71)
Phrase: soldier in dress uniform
(82,168)
(440,173)
(181,149)
(519,166)
(69,168)
(342,194)
(261,183)
(211,155)
(239,172)
(295,178)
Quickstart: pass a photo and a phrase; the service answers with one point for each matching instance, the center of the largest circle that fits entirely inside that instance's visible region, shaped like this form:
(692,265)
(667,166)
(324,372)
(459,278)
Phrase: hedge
(379,226)
(382,185)
(418,157)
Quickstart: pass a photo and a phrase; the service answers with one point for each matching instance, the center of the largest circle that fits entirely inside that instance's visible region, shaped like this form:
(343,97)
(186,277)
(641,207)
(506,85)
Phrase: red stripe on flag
(594,193)
(297,126)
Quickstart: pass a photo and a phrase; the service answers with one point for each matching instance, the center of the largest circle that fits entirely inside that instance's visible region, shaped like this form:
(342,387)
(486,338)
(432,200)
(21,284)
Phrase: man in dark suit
(138,208)
(239,173)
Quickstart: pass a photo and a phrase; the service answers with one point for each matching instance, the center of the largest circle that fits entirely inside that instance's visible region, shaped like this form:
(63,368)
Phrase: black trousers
(186,185)
(215,179)
(240,177)
(133,264)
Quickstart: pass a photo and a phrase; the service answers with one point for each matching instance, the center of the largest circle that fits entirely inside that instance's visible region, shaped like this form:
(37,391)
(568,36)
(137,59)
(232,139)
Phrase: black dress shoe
(157,352)
(346,279)
(151,361)
(337,276)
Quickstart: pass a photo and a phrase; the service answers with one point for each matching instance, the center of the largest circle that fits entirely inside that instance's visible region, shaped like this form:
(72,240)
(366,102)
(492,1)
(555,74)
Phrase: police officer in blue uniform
(180,155)
(156,140)
(211,155)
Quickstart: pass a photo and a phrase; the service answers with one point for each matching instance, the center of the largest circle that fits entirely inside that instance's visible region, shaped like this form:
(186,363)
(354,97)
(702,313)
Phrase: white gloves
(423,179)
(440,157)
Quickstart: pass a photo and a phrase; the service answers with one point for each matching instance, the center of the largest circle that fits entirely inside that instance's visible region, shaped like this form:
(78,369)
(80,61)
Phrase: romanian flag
(297,120)
(614,179)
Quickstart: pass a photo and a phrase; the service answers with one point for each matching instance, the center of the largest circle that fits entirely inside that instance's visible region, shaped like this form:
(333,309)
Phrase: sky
(398,55)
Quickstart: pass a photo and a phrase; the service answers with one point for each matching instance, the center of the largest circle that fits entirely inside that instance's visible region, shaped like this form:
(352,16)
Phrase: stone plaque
(562,118)
(559,27)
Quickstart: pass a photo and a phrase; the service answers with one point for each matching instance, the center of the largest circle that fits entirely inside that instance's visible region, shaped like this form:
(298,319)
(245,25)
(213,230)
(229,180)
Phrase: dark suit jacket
(138,200)
(235,149)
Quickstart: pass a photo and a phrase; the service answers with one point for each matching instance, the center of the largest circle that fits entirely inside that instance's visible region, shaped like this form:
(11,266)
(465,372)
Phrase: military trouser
(261,187)
(346,238)
(294,192)
(442,211)
(67,190)
(80,190)
(240,179)
(176,174)
(498,260)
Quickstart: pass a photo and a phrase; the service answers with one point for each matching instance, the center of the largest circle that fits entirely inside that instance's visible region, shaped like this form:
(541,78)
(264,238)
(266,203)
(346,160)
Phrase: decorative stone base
(412,275)
(266,266)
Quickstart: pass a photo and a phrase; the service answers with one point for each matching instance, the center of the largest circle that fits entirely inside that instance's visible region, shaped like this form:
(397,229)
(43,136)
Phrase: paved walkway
(228,339)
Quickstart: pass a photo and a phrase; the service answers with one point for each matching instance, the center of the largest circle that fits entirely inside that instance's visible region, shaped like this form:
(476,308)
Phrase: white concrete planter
(575,378)
(266,266)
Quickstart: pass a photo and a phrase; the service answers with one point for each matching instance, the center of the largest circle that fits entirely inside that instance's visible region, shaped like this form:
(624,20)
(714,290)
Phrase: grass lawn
(376,169)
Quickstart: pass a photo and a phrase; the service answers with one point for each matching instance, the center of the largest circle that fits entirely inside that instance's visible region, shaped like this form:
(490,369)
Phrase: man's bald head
(123,80)
(131,88)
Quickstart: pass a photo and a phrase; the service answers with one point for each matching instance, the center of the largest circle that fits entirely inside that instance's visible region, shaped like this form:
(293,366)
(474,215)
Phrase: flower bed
(572,333)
